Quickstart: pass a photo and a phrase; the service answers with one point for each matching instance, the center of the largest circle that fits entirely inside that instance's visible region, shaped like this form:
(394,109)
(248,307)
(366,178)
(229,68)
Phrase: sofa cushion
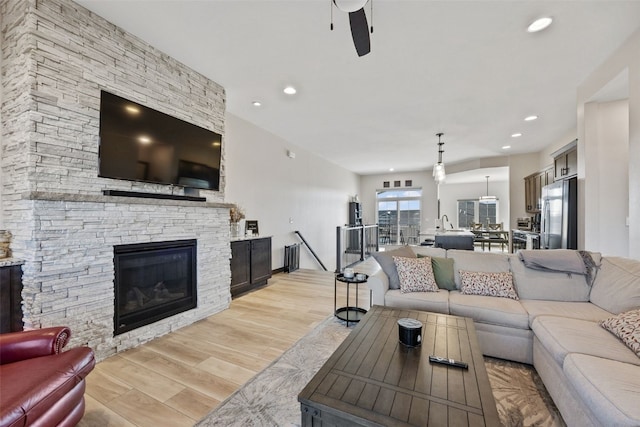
(609,387)
(477,261)
(625,326)
(495,311)
(437,302)
(429,251)
(547,285)
(416,274)
(385,259)
(488,284)
(616,287)
(443,272)
(561,336)
(574,310)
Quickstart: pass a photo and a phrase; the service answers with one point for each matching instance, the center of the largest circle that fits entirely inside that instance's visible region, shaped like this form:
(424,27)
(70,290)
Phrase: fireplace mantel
(99,198)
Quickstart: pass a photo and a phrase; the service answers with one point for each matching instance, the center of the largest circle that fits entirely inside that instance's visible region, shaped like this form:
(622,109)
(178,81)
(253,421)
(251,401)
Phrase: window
(466,213)
(399,216)
(478,211)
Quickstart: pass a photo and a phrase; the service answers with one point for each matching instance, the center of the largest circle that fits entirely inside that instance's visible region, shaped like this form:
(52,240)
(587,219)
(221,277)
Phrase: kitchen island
(448,239)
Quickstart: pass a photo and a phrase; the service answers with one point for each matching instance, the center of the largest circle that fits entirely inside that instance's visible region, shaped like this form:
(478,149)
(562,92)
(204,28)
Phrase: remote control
(450,362)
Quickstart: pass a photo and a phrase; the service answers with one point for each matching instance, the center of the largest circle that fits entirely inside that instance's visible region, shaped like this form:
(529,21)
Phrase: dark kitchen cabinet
(11,299)
(533,189)
(565,161)
(250,264)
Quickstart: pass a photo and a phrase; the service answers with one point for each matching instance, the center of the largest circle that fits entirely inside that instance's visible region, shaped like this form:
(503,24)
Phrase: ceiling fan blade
(360,31)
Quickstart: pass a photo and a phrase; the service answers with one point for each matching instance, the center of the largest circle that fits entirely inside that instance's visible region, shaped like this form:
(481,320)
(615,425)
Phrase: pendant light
(488,198)
(438,169)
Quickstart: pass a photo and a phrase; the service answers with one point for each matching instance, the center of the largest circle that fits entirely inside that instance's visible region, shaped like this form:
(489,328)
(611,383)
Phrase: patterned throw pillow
(416,275)
(487,284)
(625,326)
(385,259)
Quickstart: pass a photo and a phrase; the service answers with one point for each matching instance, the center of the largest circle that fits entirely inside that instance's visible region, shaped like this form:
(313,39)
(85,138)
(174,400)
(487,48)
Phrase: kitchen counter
(524,239)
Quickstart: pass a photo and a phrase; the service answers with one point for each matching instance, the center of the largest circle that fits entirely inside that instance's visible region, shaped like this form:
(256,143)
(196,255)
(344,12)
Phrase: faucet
(443,218)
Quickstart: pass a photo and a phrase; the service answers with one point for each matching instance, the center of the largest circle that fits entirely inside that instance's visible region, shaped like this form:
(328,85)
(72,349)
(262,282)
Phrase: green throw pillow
(443,272)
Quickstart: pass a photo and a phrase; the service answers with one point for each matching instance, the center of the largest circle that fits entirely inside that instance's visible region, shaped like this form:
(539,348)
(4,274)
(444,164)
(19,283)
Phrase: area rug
(271,397)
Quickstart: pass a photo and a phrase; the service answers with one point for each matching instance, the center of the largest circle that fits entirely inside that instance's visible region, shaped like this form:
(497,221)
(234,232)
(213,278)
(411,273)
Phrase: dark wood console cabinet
(11,299)
(250,264)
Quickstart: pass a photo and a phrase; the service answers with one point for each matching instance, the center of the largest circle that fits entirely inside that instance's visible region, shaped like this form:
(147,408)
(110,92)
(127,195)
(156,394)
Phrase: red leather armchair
(39,384)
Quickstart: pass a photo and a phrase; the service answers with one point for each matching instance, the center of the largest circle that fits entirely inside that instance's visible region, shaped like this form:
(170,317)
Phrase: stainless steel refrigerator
(559,216)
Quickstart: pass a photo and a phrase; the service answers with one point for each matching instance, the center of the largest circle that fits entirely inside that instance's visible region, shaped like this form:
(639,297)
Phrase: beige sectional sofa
(592,376)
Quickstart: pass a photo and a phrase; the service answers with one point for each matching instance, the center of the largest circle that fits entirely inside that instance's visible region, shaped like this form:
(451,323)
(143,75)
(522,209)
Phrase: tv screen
(138,143)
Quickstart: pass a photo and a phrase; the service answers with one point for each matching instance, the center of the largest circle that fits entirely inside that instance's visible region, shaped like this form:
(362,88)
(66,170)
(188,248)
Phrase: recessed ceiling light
(256,103)
(516,135)
(539,24)
(506,147)
(290,90)
(391,169)
(144,139)
(530,118)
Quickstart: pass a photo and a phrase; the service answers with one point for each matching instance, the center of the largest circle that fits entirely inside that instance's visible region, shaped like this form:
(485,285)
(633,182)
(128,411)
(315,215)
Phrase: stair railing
(304,241)
(354,244)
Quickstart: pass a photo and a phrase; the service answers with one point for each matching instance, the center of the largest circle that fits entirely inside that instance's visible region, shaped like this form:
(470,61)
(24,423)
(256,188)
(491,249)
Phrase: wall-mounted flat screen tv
(138,143)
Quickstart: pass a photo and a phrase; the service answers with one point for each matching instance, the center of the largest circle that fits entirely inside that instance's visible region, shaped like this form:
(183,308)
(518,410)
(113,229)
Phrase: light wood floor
(177,379)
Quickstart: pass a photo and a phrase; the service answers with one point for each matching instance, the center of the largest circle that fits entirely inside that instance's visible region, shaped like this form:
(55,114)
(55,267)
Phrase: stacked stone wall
(56,58)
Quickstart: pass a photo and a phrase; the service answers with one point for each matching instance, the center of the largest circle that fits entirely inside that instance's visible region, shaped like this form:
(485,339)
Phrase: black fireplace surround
(153,281)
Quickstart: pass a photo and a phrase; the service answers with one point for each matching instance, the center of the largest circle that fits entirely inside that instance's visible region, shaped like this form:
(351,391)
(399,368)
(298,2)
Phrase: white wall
(594,189)
(272,188)
(613,127)
(608,124)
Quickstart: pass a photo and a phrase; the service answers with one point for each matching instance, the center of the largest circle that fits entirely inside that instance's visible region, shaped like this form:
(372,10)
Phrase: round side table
(350,314)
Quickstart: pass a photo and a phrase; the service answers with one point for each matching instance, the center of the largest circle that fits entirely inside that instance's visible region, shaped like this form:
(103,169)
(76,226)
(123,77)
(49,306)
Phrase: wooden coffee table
(372,379)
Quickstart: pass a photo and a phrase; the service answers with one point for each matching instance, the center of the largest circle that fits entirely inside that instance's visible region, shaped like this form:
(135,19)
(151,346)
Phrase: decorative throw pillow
(625,326)
(385,259)
(487,284)
(416,275)
(443,272)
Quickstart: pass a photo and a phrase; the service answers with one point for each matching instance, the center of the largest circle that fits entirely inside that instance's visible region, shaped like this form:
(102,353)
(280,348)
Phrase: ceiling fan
(358,22)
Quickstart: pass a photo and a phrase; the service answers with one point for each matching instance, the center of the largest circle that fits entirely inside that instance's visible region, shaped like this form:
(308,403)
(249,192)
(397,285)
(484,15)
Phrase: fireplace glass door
(153,281)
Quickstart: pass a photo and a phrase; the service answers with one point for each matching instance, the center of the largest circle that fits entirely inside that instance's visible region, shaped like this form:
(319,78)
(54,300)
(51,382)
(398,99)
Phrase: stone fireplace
(152,282)
(56,58)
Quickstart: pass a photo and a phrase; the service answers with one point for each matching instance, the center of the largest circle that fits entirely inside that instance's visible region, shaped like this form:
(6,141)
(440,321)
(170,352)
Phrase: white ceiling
(465,68)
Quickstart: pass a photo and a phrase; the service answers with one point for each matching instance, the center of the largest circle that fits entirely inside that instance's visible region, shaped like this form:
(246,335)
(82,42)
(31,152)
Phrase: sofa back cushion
(429,251)
(385,259)
(616,287)
(477,261)
(548,285)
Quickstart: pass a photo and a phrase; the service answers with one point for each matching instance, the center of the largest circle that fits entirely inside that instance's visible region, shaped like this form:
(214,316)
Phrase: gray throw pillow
(385,259)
